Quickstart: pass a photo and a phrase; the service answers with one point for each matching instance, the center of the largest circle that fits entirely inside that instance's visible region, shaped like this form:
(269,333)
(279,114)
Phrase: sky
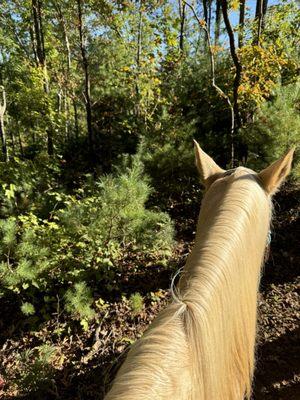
(251,4)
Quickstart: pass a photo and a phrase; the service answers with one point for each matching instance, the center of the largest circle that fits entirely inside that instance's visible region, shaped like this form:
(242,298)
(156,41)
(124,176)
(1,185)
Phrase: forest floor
(84,363)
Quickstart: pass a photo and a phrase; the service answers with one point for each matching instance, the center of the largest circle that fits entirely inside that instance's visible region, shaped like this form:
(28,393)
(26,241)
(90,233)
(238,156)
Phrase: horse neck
(219,284)
(232,229)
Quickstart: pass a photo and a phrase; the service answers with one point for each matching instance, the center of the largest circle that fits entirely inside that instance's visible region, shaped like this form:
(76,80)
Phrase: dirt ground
(85,362)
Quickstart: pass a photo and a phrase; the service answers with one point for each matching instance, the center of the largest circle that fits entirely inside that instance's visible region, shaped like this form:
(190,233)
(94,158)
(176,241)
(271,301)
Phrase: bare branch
(203,26)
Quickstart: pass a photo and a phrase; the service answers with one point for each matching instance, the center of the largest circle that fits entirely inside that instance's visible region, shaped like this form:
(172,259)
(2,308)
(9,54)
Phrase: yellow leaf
(125,69)
(234,5)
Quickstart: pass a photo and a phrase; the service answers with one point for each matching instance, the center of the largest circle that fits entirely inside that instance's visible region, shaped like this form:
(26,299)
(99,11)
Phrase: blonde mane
(201,347)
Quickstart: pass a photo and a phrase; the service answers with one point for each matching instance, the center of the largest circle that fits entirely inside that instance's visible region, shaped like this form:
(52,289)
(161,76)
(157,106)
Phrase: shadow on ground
(277,366)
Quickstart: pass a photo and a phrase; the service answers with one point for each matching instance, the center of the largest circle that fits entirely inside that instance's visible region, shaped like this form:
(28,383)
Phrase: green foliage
(276,128)
(136,303)
(35,369)
(69,227)
(27,309)
(83,243)
(62,231)
(79,301)
(8,229)
(25,185)
(262,74)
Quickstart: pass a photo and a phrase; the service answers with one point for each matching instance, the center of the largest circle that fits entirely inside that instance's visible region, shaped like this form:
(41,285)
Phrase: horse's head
(236,208)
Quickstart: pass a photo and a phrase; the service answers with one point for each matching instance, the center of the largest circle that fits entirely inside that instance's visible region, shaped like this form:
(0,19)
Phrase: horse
(202,345)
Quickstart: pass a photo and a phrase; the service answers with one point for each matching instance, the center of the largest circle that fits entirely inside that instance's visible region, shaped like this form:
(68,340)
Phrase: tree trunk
(217,22)
(258,16)
(38,37)
(241,24)
(68,90)
(205,11)
(182,23)
(2,128)
(209,15)
(12,139)
(265,9)
(138,58)
(59,101)
(75,118)
(237,78)
(39,50)
(260,13)
(33,45)
(20,139)
(67,114)
(87,83)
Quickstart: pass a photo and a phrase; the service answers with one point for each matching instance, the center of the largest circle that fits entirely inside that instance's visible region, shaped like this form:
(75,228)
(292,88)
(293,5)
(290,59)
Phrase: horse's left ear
(273,176)
(209,171)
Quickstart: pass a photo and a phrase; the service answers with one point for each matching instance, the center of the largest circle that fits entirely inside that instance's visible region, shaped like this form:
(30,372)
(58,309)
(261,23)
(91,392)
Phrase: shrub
(34,368)
(82,244)
(276,127)
(24,186)
(79,301)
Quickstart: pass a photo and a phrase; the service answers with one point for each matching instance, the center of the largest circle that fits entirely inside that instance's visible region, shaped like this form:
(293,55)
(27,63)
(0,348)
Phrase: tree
(241,23)
(260,12)
(87,82)
(38,45)
(2,129)
(217,21)
(181,6)
(237,78)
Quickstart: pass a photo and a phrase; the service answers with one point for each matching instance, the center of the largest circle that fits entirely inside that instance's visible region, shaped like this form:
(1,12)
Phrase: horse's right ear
(272,176)
(209,171)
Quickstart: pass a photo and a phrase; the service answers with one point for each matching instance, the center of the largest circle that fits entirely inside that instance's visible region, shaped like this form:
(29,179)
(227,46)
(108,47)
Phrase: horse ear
(208,169)
(274,174)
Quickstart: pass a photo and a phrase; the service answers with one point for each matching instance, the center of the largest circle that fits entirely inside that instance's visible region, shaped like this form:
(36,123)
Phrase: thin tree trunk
(258,16)
(33,45)
(20,139)
(62,22)
(182,23)
(2,128)
(59,101)
(61,19)
(264,12)
(217,22)
(205,11)
(260,13)
(138,57)
(12,138)
(36,12)
(241,24)
(209,15)
(75,118)
(67,114)
(41,60)
(237,79)
(139,37)
(87,83)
